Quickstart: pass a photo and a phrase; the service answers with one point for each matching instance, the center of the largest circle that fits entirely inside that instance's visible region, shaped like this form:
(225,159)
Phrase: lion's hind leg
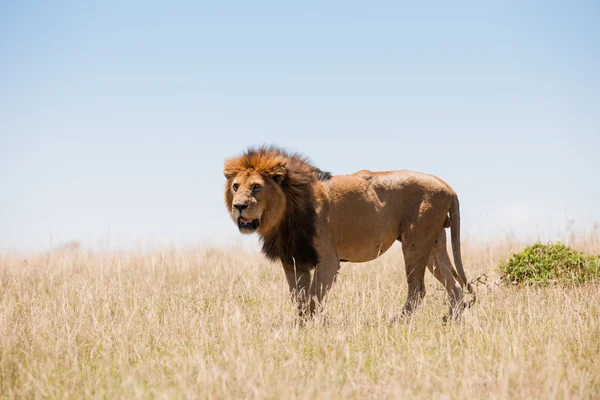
(415,264)
(441,267)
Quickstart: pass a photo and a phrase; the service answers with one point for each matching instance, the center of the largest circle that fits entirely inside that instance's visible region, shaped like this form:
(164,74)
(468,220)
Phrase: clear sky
(115,116)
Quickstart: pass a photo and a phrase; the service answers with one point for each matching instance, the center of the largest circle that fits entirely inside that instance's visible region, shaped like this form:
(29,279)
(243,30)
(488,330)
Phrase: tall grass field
(218,323)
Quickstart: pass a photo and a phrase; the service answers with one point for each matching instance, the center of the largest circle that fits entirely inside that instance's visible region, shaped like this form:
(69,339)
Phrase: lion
(312,221)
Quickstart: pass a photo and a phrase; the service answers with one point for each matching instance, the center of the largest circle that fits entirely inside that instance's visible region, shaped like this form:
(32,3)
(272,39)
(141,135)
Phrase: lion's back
(395,181)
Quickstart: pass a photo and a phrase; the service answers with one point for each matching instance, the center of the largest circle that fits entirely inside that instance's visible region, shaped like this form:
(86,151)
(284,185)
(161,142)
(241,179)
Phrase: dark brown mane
(292,243)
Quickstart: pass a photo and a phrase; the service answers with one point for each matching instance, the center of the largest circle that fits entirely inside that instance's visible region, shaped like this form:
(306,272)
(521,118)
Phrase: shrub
(543,264)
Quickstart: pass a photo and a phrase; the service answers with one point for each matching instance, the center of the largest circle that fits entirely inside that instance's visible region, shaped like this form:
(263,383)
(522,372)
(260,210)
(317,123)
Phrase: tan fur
(356,218)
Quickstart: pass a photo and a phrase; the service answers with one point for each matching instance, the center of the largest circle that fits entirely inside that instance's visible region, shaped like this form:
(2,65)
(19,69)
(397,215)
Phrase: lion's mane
(292,241)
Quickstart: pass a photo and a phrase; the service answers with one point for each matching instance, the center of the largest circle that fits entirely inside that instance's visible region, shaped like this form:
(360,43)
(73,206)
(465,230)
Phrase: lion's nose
(241,207)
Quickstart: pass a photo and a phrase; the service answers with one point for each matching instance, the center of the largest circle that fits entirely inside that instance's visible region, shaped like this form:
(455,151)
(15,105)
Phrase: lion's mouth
(244,223)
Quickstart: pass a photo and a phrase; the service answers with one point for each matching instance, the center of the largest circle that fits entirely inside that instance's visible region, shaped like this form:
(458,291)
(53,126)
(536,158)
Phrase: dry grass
(219,324)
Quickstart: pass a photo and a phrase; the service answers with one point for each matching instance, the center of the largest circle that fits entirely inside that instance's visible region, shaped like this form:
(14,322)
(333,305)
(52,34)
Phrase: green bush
(544,264)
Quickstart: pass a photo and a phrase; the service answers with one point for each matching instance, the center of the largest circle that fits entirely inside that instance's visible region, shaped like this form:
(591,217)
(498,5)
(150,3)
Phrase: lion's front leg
(298,278)
(323,278)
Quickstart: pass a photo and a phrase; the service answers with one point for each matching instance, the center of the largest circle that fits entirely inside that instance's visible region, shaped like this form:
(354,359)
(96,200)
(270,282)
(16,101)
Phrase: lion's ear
(278,174)
(229,174)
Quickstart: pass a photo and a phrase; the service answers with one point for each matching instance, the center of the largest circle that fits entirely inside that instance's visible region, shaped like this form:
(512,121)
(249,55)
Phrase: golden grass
(219,324)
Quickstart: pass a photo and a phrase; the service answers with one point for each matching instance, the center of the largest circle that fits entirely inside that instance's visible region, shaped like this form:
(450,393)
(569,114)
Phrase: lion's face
(256,202)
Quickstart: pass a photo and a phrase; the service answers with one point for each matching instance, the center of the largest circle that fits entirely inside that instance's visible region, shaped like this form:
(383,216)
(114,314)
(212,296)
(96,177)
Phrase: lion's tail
(455,238)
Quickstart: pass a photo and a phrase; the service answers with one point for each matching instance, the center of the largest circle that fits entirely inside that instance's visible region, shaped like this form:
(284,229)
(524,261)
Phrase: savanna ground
(214,323)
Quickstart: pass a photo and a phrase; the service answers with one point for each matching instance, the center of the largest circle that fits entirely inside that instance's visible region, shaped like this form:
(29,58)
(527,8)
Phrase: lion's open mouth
(244,223)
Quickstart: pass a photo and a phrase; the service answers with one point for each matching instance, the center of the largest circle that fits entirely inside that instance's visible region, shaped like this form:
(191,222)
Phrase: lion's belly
(364,238)
(361,251)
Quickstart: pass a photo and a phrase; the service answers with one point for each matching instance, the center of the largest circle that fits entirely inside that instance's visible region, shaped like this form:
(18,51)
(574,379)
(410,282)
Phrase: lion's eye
(235,187)
(255,188)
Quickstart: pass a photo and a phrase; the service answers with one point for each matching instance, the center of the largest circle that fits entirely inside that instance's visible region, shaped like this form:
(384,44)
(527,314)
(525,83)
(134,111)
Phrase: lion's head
(270,191)
(255,198)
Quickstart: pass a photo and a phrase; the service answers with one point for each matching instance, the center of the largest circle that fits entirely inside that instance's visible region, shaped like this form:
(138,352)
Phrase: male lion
(310,220)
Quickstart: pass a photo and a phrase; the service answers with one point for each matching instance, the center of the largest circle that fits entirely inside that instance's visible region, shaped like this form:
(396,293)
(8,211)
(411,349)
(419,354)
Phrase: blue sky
(115,117)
